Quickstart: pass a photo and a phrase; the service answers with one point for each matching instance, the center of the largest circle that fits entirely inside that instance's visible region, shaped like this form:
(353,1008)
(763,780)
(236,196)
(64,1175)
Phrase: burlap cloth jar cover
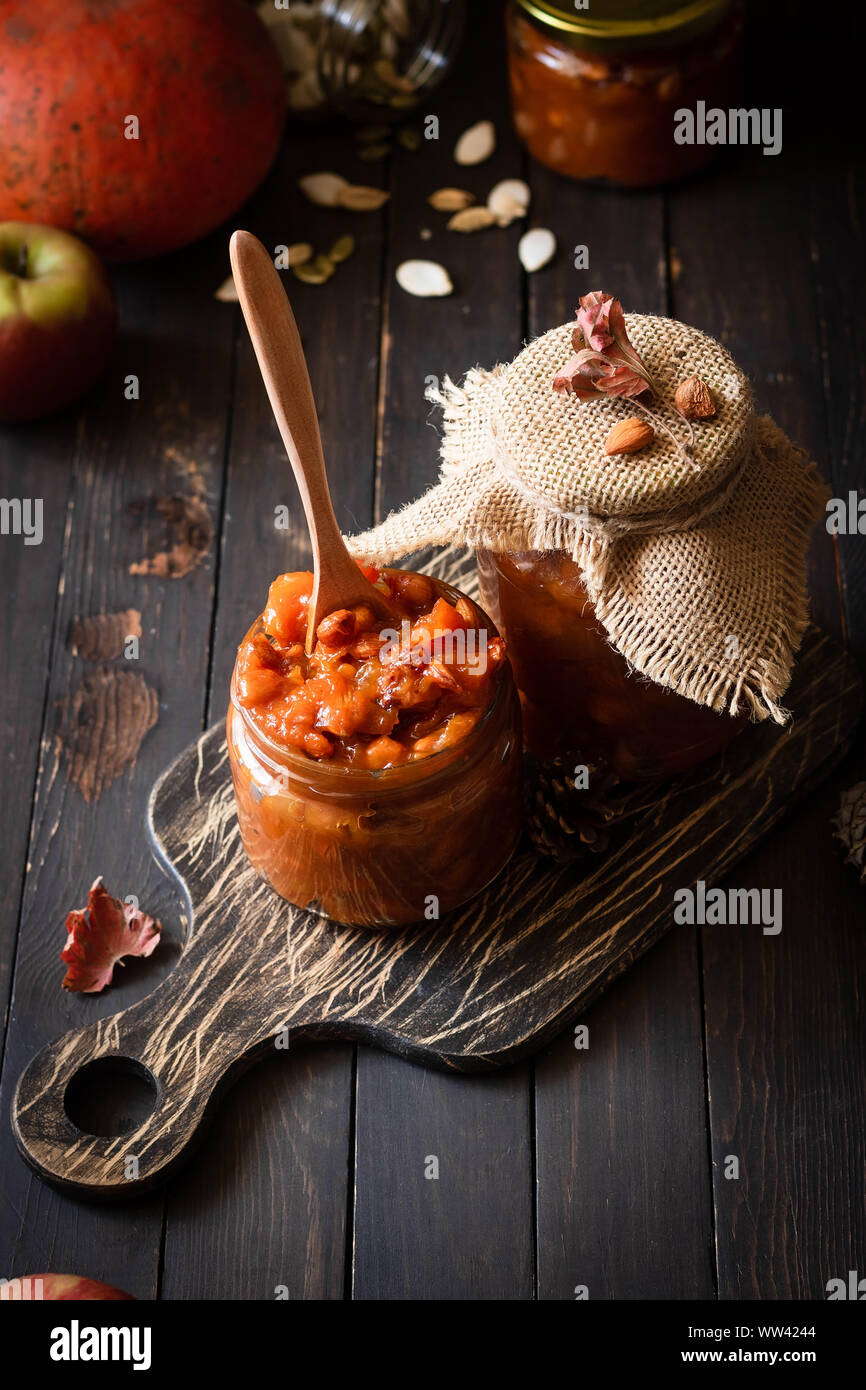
(692,551)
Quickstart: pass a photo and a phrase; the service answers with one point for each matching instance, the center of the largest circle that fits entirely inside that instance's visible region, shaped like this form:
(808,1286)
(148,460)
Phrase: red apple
(56,1288)
(57,319)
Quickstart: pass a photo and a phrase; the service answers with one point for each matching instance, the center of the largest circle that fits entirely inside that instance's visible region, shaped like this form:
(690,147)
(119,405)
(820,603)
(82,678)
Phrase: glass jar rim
(676,23)
(295,760)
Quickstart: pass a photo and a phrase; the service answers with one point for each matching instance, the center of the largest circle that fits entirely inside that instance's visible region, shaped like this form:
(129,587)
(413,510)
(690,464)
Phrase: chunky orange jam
(368,696)
(377,780)
(608,112)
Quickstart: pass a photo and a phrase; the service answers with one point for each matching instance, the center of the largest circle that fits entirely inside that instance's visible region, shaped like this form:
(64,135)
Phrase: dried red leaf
(605,361)
(100,935)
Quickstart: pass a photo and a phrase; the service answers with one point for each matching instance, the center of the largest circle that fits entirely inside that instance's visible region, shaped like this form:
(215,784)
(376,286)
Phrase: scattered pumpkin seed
(228,291)
(476,144)
(298,253)
(372,153)
(324,189)
(471,220)
(310,274)
(450,199)
(385,71)
(358,198)
(509,199)
(342,249)
(409,137)
(372,134)
(536,248)
(427,279)
(397,16)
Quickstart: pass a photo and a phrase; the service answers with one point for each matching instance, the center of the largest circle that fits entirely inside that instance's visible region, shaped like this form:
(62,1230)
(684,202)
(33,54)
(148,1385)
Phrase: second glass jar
(595,93)
(577,692)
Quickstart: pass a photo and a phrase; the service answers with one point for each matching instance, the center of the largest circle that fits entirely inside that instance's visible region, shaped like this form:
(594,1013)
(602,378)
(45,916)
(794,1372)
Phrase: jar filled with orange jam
(377,778)
(595,90)
(578,694)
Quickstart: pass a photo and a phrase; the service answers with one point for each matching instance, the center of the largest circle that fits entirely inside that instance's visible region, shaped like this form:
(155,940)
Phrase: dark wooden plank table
(602,1167)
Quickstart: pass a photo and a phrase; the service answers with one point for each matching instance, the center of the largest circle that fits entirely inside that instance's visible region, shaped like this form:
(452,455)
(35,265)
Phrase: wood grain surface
(603,1168)
(493,981)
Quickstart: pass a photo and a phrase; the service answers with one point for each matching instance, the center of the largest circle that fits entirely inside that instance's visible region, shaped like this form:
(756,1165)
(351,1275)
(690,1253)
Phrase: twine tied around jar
(694,560)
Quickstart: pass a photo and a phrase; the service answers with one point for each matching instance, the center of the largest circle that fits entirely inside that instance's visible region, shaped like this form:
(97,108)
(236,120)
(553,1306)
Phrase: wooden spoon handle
(280,354)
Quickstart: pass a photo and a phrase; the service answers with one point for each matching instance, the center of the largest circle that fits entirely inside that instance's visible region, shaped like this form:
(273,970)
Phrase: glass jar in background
(594,91)
(577,692)
(372,60)
(376,847)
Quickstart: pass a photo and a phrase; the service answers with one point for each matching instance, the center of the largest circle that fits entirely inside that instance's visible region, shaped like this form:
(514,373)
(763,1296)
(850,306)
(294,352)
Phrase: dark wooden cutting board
(485,986)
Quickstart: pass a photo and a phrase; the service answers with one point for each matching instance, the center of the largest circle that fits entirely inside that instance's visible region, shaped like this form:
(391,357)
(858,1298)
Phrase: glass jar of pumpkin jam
(579,695)
(377,779)
(595,90)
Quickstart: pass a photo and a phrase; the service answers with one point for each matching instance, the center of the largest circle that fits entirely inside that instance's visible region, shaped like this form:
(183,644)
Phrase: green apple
(58,319)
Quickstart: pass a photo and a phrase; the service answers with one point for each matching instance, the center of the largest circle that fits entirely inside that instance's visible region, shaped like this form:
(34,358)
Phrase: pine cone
(851,826)
(565,818)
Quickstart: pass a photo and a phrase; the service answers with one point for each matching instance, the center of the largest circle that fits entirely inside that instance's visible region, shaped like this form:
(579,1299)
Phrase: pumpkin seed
(342,249)
(471,220)
(371,154)
(409,138)
(427,279)
(536,248)
(324,189)
(372,134)
(305,93)
(450,199)
(396,16)
(228,291)
(298,253)
(358,198)
(509,199)
(309,273)
(476,144)
(386,73)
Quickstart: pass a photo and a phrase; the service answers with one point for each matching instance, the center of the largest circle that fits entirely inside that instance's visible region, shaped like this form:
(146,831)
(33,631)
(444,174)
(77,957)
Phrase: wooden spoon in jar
(338,581)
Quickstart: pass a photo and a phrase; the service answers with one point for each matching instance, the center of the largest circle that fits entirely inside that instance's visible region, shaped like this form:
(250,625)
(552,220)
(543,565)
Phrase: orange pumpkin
(139,125)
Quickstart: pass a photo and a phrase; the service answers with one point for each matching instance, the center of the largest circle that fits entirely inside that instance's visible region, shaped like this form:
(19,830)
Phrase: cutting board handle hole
(110,1096)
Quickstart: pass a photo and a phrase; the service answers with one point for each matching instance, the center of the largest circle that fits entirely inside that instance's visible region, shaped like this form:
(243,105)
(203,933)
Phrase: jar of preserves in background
(595,90)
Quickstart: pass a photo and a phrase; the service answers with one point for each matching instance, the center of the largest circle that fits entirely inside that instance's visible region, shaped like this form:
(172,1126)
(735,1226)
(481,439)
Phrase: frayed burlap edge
(759,686)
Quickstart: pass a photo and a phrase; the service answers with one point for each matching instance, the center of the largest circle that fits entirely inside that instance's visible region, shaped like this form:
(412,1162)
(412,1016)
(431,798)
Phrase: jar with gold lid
(596,89)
